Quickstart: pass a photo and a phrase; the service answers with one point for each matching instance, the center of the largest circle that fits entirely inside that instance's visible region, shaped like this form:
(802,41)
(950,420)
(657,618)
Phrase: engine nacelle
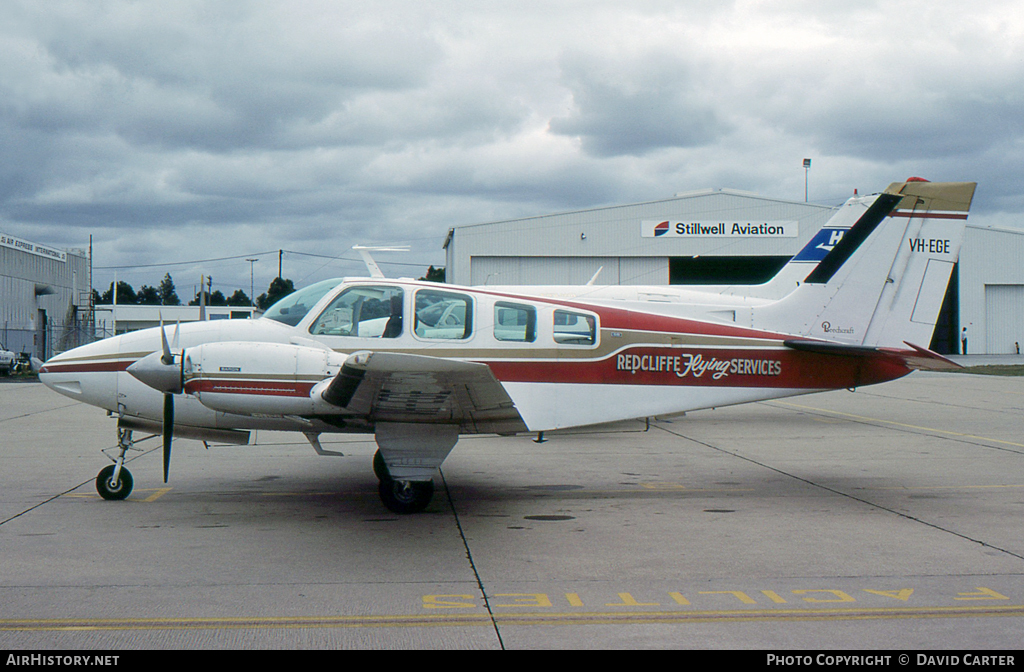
(273,379)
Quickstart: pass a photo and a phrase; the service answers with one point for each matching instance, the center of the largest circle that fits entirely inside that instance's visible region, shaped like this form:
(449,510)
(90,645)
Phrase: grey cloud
(637,107)
(317,125)
(175,76)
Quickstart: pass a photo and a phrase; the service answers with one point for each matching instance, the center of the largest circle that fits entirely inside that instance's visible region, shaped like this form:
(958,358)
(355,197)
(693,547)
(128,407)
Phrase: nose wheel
(114,482)
(111,487)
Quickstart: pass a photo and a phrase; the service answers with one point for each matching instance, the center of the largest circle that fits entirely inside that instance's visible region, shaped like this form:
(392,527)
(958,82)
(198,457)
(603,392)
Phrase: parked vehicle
(7,359)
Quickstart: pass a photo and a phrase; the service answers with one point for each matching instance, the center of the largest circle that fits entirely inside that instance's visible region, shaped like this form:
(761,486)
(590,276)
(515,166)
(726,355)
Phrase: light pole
(807,169)
(252,263)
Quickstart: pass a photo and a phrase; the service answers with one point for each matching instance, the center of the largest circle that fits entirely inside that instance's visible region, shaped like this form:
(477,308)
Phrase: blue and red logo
(661,229)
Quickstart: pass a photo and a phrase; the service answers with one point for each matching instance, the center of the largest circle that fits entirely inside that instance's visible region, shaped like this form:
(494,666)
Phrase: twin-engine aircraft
(418,364)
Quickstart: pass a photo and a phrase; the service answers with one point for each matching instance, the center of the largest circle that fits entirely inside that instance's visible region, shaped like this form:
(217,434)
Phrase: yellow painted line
(899,424)
(157,494)
(480,618)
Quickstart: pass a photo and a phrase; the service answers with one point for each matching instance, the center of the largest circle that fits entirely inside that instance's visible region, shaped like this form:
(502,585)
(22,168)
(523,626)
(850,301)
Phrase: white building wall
(992,289)
(488,270)
(111,320)
(601,235)
(30,283)
(1004,318)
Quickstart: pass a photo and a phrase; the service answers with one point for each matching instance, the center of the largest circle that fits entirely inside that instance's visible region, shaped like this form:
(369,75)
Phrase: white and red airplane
(417,363)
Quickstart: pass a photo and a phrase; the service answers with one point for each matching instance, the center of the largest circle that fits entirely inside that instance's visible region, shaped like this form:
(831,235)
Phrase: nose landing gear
(114,482)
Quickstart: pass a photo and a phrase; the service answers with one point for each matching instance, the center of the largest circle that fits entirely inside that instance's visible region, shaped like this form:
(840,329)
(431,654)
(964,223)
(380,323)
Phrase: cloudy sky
(193,130)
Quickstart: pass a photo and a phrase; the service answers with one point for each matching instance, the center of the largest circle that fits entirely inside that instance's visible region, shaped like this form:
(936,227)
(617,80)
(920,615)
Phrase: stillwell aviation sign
(758,229)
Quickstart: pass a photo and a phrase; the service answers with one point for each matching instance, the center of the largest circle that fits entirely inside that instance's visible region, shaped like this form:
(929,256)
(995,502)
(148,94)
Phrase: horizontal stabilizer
(832,348)
(917,358)
(924,359)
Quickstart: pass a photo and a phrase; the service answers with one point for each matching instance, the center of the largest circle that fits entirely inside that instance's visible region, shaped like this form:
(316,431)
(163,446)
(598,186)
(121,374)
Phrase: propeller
(160,371)
(167,359)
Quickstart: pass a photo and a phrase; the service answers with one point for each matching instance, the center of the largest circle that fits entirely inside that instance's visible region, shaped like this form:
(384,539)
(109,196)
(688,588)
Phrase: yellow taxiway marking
(157,494)
(484,619)
(899,424)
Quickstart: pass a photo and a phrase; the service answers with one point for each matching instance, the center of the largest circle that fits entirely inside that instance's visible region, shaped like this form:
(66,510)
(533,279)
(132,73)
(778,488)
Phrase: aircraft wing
(917,358)
(399,387)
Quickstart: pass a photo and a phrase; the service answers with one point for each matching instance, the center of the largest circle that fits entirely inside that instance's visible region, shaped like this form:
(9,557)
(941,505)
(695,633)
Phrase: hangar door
(1004,318)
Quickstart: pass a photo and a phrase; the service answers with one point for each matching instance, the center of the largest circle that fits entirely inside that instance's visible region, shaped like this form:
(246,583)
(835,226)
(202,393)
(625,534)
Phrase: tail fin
(883,283)
(813,253)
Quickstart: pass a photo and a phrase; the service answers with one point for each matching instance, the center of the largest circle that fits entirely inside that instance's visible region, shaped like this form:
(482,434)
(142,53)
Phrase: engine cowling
(273,379)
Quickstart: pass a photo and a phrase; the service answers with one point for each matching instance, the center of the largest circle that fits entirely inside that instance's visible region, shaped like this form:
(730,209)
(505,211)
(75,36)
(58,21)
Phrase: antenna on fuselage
(371,265)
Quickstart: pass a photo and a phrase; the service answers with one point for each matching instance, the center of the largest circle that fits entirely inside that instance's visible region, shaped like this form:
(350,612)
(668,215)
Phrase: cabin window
(575,328)
(515,322)
(362,311)
(443,315)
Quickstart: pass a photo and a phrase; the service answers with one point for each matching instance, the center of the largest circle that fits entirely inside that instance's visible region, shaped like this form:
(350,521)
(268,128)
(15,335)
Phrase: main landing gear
(405,496)
(414,452)
(401,496)
(114,481)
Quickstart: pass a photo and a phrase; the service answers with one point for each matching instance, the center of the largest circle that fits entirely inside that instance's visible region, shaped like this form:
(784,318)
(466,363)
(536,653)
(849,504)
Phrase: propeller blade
(167,357)
(168,431)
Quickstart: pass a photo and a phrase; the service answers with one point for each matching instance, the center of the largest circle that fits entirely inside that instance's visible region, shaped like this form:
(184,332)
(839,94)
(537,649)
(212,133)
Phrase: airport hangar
(985,294)
(44,297)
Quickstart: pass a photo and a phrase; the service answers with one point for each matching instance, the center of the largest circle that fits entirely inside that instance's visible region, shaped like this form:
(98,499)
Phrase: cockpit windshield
(291,309)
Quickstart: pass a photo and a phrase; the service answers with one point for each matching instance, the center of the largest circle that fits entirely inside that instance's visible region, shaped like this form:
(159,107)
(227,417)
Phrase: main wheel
(406,496)
(108,489)
(380,467)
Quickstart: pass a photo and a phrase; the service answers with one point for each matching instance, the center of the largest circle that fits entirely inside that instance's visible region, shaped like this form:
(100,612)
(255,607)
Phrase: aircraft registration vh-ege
(417,364)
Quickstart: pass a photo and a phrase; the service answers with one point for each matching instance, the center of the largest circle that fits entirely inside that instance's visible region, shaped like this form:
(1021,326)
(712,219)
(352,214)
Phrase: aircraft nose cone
(152,371)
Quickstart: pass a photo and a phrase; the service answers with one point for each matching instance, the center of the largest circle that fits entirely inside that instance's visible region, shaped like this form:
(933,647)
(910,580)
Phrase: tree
(239,298)
(434,275)
(279,288)
(215,299)
(149,296)
(125,294)
(168,297)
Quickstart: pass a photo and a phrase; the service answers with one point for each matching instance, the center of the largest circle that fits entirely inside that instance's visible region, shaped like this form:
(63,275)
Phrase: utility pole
(252,301)
(280,259)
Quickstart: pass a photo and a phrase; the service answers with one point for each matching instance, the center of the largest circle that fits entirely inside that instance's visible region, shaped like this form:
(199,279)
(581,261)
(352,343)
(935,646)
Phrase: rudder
(883,284)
